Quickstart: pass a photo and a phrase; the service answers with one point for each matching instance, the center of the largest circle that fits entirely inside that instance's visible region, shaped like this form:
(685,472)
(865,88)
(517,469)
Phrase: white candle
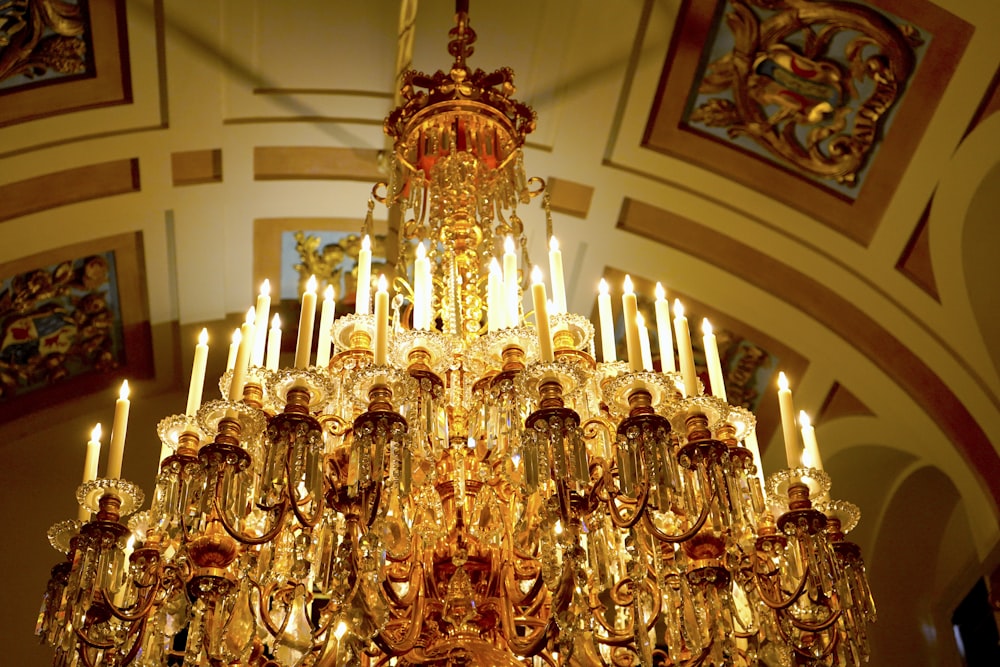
(793,451)
(810,450)
(715,377)
(274,343)
(511,291)
(631,310)
(684,351)
(234,346)
(90,466)
(307,318)
(750,442)
(325,325)
(495,308)
(644,347)
(364,277)
(556,275)
(242,357)
(116,449)
(540,303)
(663,334)
(381,322)
(421,290)
(261,315)
(607,322)
(197,374)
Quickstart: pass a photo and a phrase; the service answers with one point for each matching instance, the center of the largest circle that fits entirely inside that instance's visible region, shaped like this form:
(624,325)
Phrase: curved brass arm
(416,621)
(686,535)
(140,612)
(640,506)
(780,604)
(243,538)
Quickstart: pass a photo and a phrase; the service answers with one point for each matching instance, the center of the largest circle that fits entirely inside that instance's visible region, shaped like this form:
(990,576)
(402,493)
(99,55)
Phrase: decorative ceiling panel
(57,57)
(813,103)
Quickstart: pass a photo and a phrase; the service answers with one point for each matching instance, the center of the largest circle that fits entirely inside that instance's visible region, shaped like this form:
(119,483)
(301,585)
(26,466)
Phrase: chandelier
(454,481)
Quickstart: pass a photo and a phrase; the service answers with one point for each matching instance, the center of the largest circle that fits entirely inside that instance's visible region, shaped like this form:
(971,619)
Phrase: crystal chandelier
(460,482)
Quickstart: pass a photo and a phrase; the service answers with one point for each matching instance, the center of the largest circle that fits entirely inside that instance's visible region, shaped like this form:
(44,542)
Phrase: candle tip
(265,288)
(421,250)
(95,434)
(782,381)
(494,266)
(328,293)
(508,244)
(366,243)
(203,337)
(536,275)
(383,284)
(660,292)
(276,322)
(311,284)
(678,308)
(706,327)
(628,284)
(237,336)
(804,420)
(602,286)
(640,320)
(553,243)
(251,315)
(123,392)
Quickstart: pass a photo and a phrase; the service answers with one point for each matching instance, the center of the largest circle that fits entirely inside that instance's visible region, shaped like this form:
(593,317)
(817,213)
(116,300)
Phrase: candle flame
(421,251)
(366,243)
(706,327)
(383,284)
(628,284)
(678,308)
(275,322)
(311,284)
(123,392)
(237,337)
(804,420)
(95,435)
(508,244)
(536,275)
(640,320)
(495,266)
(553,244)
(328,293)
(782,381)
(557,528)
(340,630)
(661,293)
(203,337)
(602,286)
(265,288)
(251,315)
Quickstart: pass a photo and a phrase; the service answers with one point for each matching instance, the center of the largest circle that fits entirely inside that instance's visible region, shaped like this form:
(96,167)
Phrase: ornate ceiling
(819,178)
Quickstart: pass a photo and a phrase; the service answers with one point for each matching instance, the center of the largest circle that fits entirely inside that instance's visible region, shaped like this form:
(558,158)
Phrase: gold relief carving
(811,82)
(335,263)
(38,36)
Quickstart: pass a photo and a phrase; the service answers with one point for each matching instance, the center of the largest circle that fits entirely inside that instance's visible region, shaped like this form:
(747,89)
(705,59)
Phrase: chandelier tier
(461,483)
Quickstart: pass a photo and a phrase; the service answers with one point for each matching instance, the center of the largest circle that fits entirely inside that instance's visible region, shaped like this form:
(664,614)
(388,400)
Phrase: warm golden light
(123,392)
(783,381)
(95,433)
(602,287)
(628,285)
(678,308)
(660,292)
(203,337)
(706,327)
(265,287)
(311,284)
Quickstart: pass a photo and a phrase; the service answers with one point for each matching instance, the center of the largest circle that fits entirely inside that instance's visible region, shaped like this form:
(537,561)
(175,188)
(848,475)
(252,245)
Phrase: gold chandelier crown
(485,99)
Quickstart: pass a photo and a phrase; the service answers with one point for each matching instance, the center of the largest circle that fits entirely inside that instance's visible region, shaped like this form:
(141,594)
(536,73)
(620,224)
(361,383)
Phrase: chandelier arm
(804,652)
(412,634)
(265,613)
(81,649)
(685,536)
(779,604)
(281,508)
(140,613)
(137,643)
(818,627)
(414,576)
(640,503)
(537,640)
(613,638)
(305,522)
